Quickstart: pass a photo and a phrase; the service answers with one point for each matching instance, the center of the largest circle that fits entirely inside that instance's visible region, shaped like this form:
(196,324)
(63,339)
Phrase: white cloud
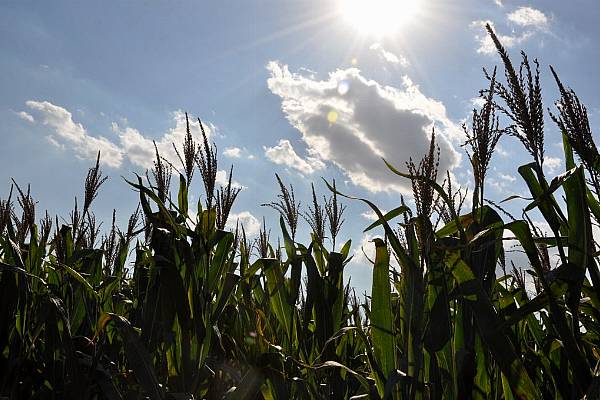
(502,183)
(74,134)
(552,163)
(222,179)
(364,252)
(507,177)
(139,149)
(359,269)
(26,117)
(478,101)
(389,56)
(60,119)
(499,185)
(250,222)
(52,140)
(502,151)
(371,216)
(543,227)
(528,17)
(132,144)
(236,152)
(366,122)
(284,154)
(485,42)
(530,20)
(233,152)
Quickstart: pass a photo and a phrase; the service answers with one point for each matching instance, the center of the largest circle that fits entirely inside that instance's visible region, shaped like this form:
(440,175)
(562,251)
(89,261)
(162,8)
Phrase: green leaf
(182,196)
(80,279)
(381,314)
(580,234)
(451,227)
(224,294)
(290,248)
(580,365)
(249,386)
(388,216)
(346,249)
(489,326)
(137,355)
(277,291)
(548,207)
(555,184)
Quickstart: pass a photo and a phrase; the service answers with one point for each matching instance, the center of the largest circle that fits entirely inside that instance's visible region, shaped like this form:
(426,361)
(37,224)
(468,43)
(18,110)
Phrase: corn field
(174,306)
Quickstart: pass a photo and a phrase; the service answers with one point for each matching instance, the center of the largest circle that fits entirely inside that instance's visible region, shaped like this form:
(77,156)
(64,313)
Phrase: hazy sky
(302,88)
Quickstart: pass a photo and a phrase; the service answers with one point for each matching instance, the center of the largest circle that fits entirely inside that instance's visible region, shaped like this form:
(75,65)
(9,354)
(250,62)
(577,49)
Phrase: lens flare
(332,117)
(343,87)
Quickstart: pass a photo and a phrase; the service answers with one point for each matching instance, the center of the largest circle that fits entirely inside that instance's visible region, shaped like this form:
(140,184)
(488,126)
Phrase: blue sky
(293,87)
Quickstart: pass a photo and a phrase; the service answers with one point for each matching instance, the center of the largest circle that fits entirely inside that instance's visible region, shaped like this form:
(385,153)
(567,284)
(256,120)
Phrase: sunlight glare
(379,17)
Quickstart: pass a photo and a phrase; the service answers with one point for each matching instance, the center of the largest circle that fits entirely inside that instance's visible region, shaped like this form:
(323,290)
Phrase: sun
(379,17)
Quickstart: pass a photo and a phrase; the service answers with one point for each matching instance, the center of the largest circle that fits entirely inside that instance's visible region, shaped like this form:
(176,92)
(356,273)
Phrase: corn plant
(176,306)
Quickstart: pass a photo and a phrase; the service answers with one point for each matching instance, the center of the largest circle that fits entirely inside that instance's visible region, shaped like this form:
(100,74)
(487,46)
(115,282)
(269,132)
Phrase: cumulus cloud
(389,56)
(139,149)
(485,42)
(503,183)
(132,145)
(355,127)
(25,116)
(233,152)
(530,20)
(284,154)
(502,151)
(73,134)
(552,164)
(364,252)
(250,222)
(371,216)
(507,177)
(477,101)
(222,179)
(528,17)
(55,142)
(498,185)
(236,152)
